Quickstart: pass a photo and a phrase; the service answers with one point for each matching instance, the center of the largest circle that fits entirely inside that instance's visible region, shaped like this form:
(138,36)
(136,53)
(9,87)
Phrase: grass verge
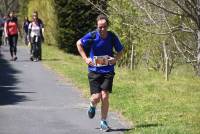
(153,105)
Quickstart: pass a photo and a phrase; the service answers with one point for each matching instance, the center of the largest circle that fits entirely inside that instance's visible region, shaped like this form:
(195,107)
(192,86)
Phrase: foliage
(147,25)
(177,21)
(153,105)
(75,18)
(9,5)
(128,21)
(23,10)
(46,11)
(120,14)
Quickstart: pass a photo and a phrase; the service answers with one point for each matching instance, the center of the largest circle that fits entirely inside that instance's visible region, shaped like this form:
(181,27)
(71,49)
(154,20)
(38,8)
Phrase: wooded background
(157,34)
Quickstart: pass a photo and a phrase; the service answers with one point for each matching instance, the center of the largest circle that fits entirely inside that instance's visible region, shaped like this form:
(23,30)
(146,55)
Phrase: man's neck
(104,35)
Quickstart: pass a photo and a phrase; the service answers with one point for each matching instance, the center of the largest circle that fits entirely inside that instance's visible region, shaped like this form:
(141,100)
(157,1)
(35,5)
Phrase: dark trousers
(1,34)
(12,40)
(26,38)
(36,48)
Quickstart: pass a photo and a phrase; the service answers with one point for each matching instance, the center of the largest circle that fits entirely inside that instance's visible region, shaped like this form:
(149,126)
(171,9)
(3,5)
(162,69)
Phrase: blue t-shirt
(101,47)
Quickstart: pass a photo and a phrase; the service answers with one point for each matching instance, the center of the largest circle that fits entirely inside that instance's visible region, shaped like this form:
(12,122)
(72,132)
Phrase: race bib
(102,60)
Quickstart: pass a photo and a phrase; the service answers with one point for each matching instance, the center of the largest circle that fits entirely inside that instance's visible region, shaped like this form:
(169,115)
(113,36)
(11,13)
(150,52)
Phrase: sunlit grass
(153,105)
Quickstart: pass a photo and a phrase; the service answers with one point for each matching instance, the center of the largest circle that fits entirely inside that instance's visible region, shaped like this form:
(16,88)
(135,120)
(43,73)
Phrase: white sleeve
(29,26)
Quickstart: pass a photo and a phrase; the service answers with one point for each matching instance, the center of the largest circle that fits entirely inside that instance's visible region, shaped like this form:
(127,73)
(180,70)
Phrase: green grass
(151,104)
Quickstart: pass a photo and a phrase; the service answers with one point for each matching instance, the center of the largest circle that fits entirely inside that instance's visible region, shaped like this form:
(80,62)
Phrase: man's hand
(89,61)
(112,60)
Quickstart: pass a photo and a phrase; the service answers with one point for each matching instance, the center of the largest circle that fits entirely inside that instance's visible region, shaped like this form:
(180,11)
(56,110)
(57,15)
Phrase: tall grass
(153,105)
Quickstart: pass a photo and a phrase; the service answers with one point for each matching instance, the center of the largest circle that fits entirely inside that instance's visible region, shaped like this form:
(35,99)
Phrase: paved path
(34,100)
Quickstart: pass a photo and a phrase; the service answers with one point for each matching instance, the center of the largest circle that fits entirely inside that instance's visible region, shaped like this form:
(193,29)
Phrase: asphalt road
(34,100)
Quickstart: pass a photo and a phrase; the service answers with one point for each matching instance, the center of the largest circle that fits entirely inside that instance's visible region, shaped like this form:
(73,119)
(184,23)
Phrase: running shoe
(91,112)
(104,126)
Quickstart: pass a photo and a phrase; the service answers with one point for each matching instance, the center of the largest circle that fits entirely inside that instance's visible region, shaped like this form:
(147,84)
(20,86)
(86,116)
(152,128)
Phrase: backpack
(88,47)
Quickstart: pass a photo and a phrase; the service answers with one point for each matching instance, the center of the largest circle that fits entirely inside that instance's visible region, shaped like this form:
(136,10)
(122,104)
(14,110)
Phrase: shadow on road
(147,125)
(137,126)
(8,81)
(120,130)
(54,59)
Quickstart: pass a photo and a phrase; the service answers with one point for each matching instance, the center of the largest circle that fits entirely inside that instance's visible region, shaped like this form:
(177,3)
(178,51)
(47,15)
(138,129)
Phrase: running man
(101,62)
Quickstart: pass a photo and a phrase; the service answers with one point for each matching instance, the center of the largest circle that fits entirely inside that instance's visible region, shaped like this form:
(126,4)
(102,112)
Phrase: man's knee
(96,97)
(104,95)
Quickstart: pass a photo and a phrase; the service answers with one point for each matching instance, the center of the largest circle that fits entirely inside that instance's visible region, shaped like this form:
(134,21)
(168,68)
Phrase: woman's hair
(35,12)
(102,17)
(26,18)
(10,13)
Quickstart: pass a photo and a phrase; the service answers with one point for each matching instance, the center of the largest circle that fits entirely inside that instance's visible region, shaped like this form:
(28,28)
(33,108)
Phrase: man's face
(102,27)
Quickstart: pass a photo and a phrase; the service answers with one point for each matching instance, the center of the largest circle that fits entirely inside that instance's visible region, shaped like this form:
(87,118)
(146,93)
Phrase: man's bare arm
(83,54)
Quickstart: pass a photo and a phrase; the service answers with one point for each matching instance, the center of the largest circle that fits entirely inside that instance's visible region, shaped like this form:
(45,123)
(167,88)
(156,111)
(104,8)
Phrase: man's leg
(104,110)
(104,104)
(95,91)
(95,98)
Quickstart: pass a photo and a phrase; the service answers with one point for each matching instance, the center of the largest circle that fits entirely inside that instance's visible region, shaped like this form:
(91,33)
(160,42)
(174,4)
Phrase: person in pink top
(11,30)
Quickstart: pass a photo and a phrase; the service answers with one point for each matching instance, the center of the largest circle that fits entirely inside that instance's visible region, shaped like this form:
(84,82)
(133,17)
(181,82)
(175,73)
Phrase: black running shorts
(99,82)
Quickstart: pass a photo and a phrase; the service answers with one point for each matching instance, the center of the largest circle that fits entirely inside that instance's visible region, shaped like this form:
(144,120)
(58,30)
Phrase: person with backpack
(11,30)
(5,39)
(25,28)
(35,32)
(1,31)
(101,61)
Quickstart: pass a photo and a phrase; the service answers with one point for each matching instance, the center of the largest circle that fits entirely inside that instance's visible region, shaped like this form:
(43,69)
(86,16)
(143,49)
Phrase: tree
(122,16)
(9,5)
(155,32)
(75,18)
(185,30)
(47,13)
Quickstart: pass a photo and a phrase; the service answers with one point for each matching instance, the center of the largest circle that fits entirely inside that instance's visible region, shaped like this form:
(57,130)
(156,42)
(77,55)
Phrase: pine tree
(75,18)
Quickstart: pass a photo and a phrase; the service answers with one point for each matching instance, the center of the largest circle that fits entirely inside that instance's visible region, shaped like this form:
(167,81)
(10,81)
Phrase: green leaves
(75,19)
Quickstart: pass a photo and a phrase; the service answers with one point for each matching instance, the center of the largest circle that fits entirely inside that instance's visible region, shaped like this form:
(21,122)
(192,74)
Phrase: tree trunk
(198,52)
(132,57)
(9,5)
(166,62)
(198,38)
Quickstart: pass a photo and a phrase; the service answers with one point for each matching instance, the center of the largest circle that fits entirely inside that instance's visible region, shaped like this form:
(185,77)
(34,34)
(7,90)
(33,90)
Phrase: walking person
(36,31)
(5,39)
(11,30)
(101,62)
(1,31)
(25,28)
